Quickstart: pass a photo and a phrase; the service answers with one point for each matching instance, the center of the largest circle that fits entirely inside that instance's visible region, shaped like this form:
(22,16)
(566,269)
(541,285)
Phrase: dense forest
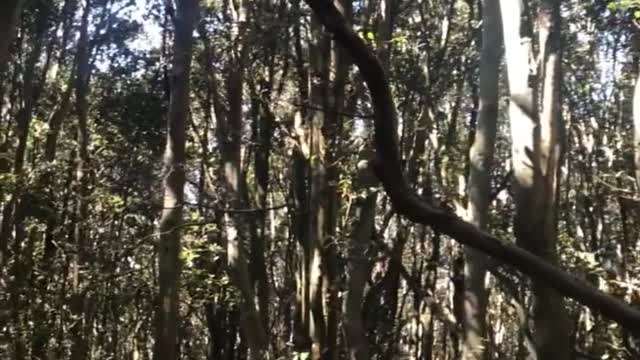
(319,179)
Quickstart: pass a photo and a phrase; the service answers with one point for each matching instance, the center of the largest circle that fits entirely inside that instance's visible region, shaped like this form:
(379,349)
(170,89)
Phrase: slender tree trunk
(230,130)
(319,57)
(334,100)
(79,342)
(536,149)
(263,131)
(165,346)
(481,158)
(636,124)
(300,153)
(359,271)
(55,123)
(550,315)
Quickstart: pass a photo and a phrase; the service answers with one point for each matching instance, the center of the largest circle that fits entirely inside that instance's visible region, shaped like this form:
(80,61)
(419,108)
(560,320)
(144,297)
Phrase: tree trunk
(263,120)
(550,315)
(300,171)
(536,146)
(359,263)
(79,342)
(230,139)
(481,158)
(636,129)
(359,271)
(165,346)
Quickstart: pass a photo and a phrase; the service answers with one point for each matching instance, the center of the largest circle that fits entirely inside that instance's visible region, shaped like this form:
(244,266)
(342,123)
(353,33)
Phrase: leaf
(187,256)
(370,35)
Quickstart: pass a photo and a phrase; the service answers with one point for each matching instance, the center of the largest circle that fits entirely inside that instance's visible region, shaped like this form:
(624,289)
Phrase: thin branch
(329,111)
(239,211)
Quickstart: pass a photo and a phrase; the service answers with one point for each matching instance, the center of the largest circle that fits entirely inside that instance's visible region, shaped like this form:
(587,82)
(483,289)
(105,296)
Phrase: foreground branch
(388,168)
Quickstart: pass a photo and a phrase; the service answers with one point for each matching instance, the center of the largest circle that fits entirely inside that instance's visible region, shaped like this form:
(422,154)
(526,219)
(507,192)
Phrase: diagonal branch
(388,168)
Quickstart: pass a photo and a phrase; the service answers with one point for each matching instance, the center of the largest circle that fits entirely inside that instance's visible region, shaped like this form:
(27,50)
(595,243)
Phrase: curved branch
(388,168)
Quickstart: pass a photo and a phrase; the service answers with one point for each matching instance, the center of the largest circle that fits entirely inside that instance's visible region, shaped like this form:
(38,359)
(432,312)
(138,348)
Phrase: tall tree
(636,109)
(360,265)
(169,228)
(233,173)
(481,158)
(537,138)
(81,239)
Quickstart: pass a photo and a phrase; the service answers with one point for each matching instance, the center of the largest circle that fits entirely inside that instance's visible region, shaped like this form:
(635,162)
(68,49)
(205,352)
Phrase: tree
(481,158)
(173,186)
(81,237)
(636,114)
(537,145)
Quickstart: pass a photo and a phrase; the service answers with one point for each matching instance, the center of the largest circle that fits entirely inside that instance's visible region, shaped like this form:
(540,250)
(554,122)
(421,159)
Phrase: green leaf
(370,35)
(187,256)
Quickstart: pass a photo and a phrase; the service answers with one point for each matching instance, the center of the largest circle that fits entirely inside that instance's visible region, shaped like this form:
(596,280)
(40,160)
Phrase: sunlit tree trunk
(536,149)
(550,315)
(319,57)
(165,346)
(230,130)
(481,158)
(329,71)
(300,170)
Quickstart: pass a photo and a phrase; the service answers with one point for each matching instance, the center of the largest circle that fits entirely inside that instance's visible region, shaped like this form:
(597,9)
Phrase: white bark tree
(537,137)
(481,157)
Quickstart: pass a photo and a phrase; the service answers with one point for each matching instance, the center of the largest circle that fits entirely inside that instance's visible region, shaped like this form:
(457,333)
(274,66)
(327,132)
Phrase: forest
(320,179)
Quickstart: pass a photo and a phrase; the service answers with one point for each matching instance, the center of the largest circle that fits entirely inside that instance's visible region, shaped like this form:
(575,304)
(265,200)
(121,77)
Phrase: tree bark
(229,134)
(481,158)
(359,271)
(165,346)
(263,120)
(551,320)
(79,347)
(636,129)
